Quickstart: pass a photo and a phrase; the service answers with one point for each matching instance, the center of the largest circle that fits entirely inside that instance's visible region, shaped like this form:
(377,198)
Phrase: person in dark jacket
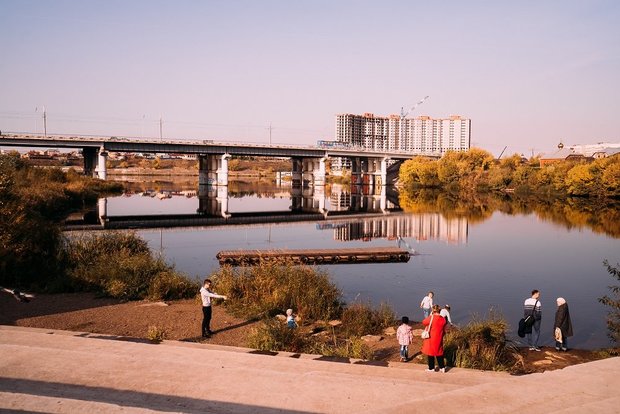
(563,327)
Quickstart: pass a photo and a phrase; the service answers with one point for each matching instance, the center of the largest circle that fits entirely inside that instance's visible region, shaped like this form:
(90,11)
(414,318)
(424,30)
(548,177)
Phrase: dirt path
(181,321)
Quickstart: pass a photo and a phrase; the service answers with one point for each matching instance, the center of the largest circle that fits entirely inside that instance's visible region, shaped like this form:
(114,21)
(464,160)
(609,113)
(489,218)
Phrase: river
(475,257)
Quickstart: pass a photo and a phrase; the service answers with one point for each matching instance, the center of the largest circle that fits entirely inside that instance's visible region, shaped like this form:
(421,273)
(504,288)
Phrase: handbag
(525,323)
(425,333)
(558,334)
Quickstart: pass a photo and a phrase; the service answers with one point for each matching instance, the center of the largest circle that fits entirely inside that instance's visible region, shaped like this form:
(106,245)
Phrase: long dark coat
(562,320)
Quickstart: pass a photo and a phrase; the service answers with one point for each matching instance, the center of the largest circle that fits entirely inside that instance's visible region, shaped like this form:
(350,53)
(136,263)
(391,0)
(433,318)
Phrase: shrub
(120,265)
(273,335)
(273,286)
(361,319)
(481,344)
(353,347)
(156,334)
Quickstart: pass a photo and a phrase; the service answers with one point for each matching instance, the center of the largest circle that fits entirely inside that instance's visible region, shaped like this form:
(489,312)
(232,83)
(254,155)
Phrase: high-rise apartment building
(421,135)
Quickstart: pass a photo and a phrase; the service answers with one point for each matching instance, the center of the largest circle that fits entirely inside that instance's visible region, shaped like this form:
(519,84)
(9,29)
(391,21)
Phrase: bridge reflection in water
(352,213)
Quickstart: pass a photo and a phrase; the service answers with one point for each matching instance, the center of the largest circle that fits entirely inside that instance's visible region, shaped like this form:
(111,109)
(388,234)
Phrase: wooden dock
(315,256)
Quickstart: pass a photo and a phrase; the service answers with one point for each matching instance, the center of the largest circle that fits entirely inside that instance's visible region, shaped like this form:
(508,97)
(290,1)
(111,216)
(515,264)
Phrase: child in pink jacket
(404,335)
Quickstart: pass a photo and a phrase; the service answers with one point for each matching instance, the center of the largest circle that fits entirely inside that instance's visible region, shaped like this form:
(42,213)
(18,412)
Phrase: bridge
(367,166)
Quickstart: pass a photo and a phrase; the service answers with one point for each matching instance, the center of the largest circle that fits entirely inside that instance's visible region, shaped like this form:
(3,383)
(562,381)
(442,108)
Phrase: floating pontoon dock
(315,256)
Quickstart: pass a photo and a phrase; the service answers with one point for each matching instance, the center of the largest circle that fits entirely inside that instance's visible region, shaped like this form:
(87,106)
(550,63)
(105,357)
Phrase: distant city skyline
(529,74)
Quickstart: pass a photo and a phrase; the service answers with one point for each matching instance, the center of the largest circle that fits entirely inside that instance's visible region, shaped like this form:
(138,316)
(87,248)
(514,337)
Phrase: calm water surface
(474,265)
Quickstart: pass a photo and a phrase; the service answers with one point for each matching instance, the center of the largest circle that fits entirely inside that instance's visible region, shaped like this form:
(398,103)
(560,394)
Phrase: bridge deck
(315,256)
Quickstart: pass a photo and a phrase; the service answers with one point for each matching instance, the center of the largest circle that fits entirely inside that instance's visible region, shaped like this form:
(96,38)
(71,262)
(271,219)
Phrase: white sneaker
(442,370)
(430,370)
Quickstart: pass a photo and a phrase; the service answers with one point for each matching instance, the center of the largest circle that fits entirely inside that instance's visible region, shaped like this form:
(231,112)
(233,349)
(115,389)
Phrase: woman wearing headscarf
(563,327)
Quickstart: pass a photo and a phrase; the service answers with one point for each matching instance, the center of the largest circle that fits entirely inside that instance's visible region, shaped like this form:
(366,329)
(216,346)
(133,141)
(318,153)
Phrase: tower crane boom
(404,114)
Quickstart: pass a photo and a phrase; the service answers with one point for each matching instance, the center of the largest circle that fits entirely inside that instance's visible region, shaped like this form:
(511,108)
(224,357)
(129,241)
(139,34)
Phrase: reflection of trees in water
(260,189)
(599,215)
(613,301)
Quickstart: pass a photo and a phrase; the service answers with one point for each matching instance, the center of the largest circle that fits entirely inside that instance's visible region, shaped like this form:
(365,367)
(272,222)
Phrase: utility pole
(44,122)
(270,128)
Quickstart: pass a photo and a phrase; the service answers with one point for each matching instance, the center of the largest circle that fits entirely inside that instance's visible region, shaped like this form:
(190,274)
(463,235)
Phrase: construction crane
(404,114)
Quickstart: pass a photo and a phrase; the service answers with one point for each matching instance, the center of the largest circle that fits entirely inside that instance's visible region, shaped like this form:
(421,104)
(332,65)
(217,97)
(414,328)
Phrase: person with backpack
(532,309)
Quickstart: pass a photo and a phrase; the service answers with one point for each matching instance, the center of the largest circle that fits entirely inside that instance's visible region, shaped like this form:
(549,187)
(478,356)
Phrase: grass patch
(155,334)
(271,287)
(273,335)
(120,265)
(482,344)
(361,319)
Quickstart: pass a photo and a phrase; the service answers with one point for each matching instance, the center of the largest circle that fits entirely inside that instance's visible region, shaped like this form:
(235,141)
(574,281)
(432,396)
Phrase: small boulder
(389,331)
(154,304)
(372,338)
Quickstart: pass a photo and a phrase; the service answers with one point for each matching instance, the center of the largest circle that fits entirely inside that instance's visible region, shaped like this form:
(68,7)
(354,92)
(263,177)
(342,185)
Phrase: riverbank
(180,320)
(44,370)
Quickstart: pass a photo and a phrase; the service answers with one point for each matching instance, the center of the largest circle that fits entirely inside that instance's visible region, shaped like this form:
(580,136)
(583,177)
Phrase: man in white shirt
(531,307)
(206,295)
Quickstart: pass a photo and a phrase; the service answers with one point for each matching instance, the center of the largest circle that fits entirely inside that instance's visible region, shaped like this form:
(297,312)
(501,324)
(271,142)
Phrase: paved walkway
(59,372)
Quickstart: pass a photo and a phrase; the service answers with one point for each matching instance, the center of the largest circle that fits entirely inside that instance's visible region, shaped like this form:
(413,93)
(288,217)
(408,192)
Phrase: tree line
(36,255)
(477,170)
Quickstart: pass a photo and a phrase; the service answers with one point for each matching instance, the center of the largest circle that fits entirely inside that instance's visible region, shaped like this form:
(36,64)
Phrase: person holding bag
(563,327)
(432,346)
(531,308)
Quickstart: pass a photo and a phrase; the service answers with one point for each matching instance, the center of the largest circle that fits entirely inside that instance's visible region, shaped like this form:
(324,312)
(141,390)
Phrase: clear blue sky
(529,74)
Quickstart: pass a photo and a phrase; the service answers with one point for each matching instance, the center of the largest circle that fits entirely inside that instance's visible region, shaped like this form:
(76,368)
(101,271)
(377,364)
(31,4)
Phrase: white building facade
(421,135)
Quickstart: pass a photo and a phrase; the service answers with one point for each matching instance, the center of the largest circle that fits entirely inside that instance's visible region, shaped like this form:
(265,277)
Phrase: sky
(529,74)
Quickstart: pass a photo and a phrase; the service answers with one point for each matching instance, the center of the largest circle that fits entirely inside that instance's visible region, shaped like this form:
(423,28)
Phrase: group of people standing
(562,326)
(436,319)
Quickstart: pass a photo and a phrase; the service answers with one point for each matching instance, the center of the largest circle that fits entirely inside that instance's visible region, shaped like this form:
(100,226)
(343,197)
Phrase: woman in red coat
(433,346)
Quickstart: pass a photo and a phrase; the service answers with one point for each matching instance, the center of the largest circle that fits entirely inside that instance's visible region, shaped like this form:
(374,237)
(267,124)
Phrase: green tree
(613,301)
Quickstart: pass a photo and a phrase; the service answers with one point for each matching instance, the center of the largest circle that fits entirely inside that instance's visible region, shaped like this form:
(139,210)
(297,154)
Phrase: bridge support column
(102,171)
(356,170)
(384,166)
(320,174)
(90,161)
(314,171)
(213,169)
(297,173)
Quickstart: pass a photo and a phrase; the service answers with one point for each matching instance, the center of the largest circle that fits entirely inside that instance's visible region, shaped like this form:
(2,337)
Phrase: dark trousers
(431,362)
(206,320)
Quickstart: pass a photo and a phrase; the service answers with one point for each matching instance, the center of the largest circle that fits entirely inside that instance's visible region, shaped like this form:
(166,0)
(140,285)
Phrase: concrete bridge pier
(213,169)
(314,171)
(383,171)
(297,173)
(90,160)
(356,171)
(95,162)
(102,171)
